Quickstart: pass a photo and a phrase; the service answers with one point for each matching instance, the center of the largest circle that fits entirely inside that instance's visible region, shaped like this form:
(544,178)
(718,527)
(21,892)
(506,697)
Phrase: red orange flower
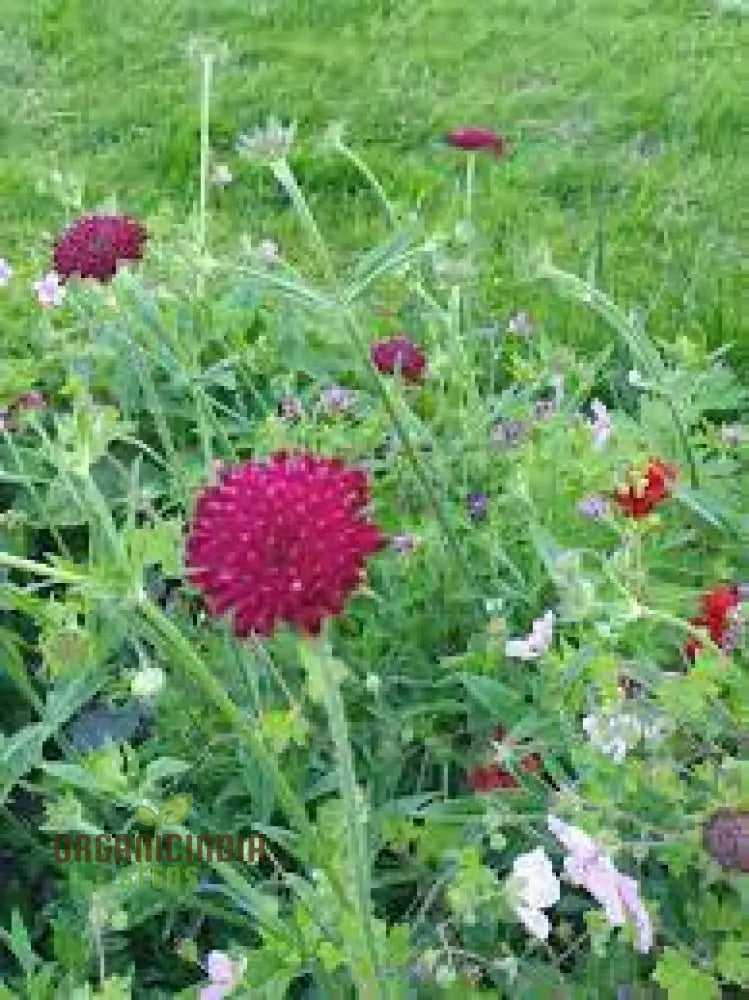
(282,541)
(490,777)
(477,139)
(718,606)
(94,246)
(399,354)
(638,500)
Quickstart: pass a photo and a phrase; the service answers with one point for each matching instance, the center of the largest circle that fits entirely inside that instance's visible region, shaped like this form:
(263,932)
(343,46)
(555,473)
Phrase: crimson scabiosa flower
(474,138)
(719,607)
(95,245)
(641,498)
(490,777)
(399,354)
(282,541)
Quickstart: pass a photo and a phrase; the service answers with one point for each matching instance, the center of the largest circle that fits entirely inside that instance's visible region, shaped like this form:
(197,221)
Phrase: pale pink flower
(588,867)
(224,973)
(337,399)
(536,643)
(601,427)
(49,291)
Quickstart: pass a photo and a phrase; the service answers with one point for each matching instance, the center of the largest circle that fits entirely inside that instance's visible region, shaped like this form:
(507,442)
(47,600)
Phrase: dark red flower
(94,246)
(282,541)
(476,139)
(639,500)
(490,777)
(718,606)
(726,839)
(399,354)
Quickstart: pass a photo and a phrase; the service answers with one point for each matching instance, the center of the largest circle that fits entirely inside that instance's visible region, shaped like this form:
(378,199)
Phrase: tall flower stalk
(372,983)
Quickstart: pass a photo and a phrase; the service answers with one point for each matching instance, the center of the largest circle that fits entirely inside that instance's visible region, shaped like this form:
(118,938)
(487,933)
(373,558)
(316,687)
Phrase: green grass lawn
(625,120)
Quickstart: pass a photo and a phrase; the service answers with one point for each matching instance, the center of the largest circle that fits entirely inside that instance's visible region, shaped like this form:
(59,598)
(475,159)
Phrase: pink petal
(220,968)
(630,895)
(213,992)
(570,837)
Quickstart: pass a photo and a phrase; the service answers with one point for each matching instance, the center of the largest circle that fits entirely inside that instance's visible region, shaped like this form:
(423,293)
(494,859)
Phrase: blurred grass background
(626,118)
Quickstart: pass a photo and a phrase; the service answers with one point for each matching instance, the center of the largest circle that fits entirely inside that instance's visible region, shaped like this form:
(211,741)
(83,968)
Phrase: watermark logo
(162,860)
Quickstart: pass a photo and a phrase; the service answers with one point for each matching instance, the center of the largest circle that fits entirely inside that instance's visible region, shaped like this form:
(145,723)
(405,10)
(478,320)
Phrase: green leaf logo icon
(175,810)
(146,816)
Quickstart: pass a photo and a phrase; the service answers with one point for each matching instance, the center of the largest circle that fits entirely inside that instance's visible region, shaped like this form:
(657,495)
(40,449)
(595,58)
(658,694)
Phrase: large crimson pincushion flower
(490,777)
(718,607)
(282,541)
(94,246)
(399,354)
(639,501)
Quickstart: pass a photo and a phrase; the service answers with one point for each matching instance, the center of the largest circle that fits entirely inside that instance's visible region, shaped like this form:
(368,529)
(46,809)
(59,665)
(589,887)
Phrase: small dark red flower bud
(399,354)
(490,777)
(726,839)
(282,541)
(95,245)
(476,139)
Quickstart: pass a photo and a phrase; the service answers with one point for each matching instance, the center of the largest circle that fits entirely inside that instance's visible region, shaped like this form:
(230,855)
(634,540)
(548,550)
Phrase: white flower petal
(535,921)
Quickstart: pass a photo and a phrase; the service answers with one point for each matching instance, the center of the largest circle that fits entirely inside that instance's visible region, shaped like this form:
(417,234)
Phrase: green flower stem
(368,979)
(198,671)
(41,569)
(215,693)
(205,116)
(640,347)
(470,183)
(356,161)
(371,983)
(285,176)
(467,292)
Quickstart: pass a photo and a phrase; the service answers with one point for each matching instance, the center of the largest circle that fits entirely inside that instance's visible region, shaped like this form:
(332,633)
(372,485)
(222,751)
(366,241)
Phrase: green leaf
(156,544)
(681,980)
(733,961)
(23,751)
(146,816)
(175,810)
(163,768)
(312,662)
(19,943)
(707,508)
(498,699)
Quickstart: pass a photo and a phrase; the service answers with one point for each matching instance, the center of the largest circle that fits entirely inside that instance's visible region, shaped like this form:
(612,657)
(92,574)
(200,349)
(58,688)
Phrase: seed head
(269,142)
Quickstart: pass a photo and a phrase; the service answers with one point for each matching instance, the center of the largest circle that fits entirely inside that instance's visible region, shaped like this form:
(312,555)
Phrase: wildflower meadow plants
(481,734)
